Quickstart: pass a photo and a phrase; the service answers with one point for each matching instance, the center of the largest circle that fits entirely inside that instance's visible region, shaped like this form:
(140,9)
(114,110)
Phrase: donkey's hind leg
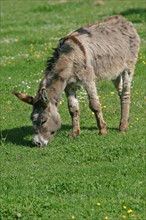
(95,106)
(123,84)
(73,107)
(127,76)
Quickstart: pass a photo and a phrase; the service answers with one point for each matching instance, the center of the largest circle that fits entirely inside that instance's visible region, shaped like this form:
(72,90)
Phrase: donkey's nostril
(38,144)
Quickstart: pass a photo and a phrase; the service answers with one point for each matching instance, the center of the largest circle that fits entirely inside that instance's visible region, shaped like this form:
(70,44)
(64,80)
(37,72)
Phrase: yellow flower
(106,218)
(129,211)
(73,217)
(124,207)
(124,216)
(60,102)
(98,203)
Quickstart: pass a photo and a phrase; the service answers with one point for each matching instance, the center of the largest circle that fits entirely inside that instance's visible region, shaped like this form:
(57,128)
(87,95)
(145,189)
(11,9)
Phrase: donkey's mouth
(39,141)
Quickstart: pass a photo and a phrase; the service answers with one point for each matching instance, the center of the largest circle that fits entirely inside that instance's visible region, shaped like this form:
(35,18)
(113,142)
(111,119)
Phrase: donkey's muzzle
(39,141)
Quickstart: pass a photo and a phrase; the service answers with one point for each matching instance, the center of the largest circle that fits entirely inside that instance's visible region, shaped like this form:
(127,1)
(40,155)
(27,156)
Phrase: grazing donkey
(107,50)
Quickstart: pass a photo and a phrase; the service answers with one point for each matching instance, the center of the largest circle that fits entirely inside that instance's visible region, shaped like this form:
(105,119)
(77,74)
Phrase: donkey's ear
(24,97)
(44,95)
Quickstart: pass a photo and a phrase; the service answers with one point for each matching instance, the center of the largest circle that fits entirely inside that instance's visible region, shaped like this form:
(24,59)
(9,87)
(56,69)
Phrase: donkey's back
(109,47)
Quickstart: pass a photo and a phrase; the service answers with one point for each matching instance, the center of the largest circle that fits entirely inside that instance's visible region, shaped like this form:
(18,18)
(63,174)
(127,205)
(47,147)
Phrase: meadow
(90,177)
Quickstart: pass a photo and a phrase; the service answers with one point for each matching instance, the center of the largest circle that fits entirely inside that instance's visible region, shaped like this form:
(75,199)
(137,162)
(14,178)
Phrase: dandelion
(137,119)
(73,217)
(124,207)
(98,203)
(60,102)
(105,218)
(129,211)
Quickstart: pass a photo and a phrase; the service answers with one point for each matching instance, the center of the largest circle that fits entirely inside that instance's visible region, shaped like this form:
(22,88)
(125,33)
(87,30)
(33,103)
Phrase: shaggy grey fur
(107,50)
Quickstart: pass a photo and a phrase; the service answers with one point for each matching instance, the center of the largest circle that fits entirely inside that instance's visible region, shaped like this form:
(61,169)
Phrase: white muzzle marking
(39,141)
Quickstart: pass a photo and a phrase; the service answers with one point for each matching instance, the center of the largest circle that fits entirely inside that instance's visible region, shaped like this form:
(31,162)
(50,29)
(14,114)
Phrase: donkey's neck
(54,88)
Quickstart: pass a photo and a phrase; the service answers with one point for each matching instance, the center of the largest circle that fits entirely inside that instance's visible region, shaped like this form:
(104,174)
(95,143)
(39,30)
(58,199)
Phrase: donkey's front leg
(73,106)
(95,106)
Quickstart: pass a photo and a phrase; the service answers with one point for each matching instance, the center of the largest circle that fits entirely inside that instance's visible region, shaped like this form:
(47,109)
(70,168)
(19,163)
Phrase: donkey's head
(44,116)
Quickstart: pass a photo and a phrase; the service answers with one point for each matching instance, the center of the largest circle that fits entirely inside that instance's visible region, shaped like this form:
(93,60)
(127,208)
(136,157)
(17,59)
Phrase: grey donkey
(107,50)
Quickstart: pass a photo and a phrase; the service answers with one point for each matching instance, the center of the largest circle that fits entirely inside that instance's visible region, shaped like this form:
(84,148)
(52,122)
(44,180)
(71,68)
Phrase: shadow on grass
(17,136)
(137,14)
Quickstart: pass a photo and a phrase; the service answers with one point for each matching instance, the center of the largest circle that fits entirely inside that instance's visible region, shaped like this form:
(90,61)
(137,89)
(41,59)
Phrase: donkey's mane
(53,59)
(62,48)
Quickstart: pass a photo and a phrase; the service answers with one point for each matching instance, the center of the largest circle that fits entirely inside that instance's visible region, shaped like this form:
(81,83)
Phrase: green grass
(90,177)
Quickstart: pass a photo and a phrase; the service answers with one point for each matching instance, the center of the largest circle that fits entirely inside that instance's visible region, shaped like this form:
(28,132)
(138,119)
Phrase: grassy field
(91,177)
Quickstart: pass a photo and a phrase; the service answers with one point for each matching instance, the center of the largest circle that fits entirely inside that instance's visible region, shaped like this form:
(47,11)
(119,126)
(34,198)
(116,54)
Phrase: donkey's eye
(43,121)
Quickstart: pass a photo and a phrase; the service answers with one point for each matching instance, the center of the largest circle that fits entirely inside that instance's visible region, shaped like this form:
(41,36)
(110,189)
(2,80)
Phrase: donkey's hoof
(102,132)
(123,129)
(74,134)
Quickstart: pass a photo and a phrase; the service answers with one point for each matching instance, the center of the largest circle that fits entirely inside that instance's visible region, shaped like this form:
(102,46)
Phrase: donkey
(107,50)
